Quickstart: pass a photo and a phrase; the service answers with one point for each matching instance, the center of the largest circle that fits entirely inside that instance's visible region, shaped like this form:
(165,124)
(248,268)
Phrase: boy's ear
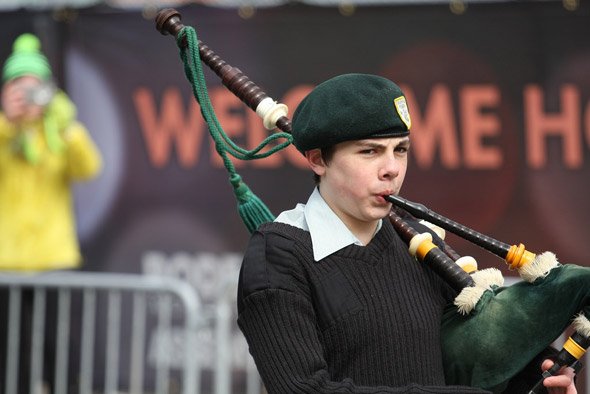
(314,158)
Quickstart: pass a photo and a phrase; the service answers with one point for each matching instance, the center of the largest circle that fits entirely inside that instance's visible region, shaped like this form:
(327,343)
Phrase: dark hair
(327,154)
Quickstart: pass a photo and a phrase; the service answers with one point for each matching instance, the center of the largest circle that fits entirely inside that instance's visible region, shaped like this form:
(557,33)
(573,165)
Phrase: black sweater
(365,319)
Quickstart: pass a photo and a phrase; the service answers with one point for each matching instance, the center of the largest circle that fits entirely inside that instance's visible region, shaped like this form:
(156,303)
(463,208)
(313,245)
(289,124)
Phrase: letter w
(170,126)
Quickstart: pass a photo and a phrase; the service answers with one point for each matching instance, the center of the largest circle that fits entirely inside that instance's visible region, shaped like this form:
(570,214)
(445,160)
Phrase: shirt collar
(328,233)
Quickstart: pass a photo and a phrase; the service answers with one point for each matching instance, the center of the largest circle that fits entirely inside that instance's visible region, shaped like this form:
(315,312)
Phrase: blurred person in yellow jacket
(43,149)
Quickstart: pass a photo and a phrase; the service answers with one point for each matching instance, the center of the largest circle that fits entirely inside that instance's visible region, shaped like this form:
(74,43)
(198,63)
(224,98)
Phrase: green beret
(350,107)
(26,59)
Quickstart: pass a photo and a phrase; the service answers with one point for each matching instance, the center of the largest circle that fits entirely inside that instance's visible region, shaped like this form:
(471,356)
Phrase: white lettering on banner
(209,273)
(215,277)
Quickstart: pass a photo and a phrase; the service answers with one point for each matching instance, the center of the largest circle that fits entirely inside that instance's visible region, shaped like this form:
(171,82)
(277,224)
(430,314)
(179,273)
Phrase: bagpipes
(491,331)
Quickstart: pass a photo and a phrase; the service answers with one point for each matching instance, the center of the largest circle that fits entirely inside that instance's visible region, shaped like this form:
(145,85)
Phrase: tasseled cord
(251,209)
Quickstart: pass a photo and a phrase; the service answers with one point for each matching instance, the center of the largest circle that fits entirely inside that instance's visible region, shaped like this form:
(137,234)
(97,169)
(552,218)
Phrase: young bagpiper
(329,299)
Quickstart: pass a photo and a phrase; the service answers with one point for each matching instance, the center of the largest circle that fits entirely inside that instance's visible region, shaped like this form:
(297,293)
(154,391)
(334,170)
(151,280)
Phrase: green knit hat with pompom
(26,59)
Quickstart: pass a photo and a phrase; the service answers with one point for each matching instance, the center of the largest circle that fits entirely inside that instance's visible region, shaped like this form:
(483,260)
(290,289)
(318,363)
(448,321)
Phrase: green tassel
(251,208)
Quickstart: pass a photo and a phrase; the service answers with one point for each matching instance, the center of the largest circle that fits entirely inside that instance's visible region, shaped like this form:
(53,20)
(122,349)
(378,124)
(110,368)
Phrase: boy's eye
(367,151)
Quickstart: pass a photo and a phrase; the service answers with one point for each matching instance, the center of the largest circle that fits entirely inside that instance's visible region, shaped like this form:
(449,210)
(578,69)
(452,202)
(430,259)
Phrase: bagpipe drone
(492,331)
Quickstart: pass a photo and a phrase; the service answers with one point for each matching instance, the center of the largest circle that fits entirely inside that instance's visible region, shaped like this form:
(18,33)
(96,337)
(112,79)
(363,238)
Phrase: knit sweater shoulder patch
(269,263)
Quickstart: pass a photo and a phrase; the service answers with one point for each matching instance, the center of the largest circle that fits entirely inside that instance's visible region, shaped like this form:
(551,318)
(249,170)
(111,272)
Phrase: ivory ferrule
(270,111)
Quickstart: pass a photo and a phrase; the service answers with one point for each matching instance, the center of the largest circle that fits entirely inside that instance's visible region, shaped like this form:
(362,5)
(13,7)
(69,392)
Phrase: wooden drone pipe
(168,21)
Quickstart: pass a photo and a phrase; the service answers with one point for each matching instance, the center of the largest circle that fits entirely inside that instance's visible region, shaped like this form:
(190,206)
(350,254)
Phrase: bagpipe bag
(510,325)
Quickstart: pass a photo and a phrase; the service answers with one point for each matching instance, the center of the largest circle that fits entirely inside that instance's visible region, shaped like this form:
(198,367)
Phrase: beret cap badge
(401,107)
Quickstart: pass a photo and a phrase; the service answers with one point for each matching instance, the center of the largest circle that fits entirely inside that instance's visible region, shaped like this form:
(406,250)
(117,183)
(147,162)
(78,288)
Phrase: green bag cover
(510,325)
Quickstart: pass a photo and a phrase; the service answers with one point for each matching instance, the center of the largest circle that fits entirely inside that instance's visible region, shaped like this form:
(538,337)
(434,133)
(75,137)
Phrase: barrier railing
(165,293)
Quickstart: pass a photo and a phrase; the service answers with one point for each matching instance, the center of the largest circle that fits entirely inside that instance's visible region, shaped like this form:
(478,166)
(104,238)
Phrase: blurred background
(498,92)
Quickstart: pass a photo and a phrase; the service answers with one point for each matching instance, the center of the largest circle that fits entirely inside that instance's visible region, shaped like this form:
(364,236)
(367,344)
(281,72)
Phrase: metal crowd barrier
(167,292)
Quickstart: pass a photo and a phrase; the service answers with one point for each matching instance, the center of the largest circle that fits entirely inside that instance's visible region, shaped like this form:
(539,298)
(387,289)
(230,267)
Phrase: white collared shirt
(328,233)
